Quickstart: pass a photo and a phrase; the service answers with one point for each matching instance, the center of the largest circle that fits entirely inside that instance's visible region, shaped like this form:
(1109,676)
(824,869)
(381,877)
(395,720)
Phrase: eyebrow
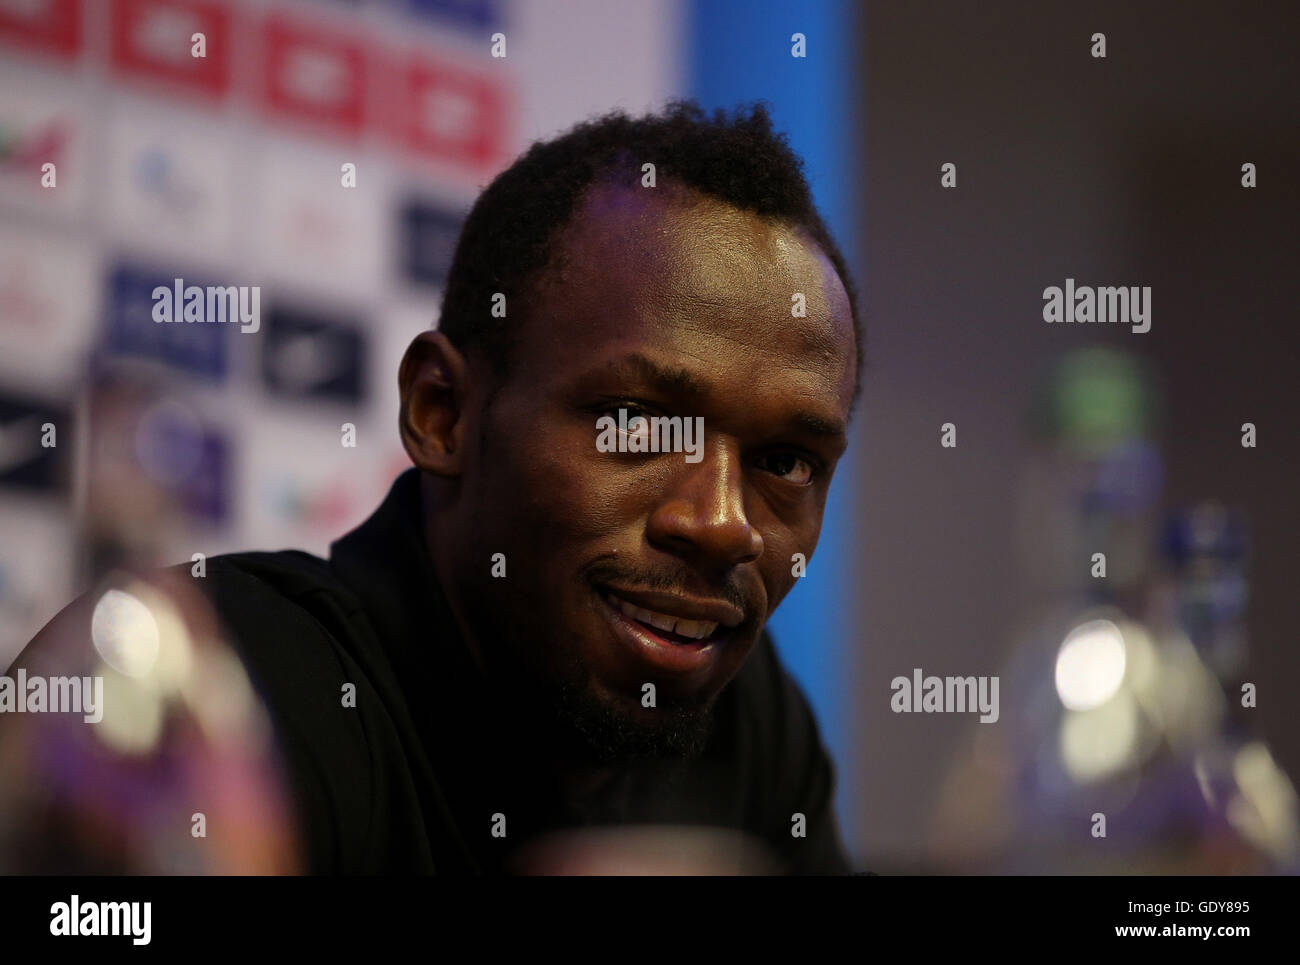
(816,425)
(666,378)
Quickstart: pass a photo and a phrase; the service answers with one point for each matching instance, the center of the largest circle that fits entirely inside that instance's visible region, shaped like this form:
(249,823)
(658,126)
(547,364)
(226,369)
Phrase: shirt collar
(386,563)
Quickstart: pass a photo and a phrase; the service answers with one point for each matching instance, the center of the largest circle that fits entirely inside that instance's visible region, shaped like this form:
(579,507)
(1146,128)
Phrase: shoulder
(292,623)
(772,707)
(303,639)
(289,574)
(789,769)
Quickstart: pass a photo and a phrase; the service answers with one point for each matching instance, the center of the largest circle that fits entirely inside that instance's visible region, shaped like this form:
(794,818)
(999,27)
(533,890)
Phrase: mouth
(681,637)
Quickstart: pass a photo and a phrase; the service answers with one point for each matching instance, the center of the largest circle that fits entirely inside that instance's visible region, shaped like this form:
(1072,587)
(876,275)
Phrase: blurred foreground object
(649,850)
(1124,745)
(132,740)
(167,768)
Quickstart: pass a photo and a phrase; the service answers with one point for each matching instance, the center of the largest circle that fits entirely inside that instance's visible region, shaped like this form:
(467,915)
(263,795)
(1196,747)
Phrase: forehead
(674,268)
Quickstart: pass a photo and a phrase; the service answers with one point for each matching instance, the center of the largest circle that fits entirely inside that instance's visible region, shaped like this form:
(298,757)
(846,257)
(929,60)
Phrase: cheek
(778,565)
(782,540)
(558,486)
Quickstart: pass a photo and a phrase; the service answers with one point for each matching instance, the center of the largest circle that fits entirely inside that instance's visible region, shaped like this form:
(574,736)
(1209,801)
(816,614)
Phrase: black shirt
(414,776)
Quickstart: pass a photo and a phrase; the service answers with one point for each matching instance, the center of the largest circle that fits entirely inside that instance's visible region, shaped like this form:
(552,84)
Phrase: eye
(789,466)
(631,412)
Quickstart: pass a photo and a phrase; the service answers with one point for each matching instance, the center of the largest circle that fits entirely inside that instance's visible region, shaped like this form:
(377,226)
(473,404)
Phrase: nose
(702,517)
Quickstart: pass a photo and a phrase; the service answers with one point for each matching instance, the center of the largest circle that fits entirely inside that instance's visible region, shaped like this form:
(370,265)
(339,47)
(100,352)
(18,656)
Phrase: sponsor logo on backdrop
(173,186)
(186,458)
(23,149)
(33,436)
(24,304)
(476,15)
(155,173)
(130,328)
(151,41)
(303,489)
(204,491)
(313,356)
(40,124)
(45,300)
(453,114)
(429,235)
(438,107)
(46,26)
(314,74)
(316,232)
(324,506)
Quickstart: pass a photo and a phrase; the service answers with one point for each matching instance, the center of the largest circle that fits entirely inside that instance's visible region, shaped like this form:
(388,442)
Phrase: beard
(608,734)
(554,700)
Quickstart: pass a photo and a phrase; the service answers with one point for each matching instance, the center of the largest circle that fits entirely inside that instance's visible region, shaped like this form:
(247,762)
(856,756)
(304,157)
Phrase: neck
(443,572)
(562,756)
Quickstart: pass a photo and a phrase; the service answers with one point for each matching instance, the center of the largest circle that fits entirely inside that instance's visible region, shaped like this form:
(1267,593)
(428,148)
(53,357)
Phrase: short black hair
(507,240)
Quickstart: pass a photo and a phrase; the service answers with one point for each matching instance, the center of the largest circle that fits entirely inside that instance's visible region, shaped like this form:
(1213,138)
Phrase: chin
(618,728)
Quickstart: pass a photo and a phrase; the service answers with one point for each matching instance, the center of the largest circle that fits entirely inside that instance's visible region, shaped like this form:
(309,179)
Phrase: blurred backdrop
(1119,695)
(1079,439)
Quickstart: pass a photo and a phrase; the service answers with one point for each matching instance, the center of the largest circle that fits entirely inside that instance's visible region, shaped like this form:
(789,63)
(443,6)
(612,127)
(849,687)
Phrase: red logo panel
(314,74)
(51,27)
(453,114)
(151,40)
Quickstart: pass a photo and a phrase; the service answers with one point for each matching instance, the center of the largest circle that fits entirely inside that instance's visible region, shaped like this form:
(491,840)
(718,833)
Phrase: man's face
(665,303)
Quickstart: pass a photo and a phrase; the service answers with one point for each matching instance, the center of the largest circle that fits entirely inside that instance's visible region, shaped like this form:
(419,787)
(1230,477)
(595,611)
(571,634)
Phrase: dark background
(1123,170)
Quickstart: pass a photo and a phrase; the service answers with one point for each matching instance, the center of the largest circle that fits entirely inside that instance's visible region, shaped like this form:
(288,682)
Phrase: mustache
(679,581)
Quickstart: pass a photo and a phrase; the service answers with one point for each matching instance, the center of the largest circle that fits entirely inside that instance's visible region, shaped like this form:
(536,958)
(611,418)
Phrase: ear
(434,384)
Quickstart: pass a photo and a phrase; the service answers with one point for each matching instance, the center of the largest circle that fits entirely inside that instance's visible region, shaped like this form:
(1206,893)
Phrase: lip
(658,652)
(712,611)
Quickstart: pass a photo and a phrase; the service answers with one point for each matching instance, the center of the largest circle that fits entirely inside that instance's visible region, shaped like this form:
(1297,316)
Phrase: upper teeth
(695,629)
